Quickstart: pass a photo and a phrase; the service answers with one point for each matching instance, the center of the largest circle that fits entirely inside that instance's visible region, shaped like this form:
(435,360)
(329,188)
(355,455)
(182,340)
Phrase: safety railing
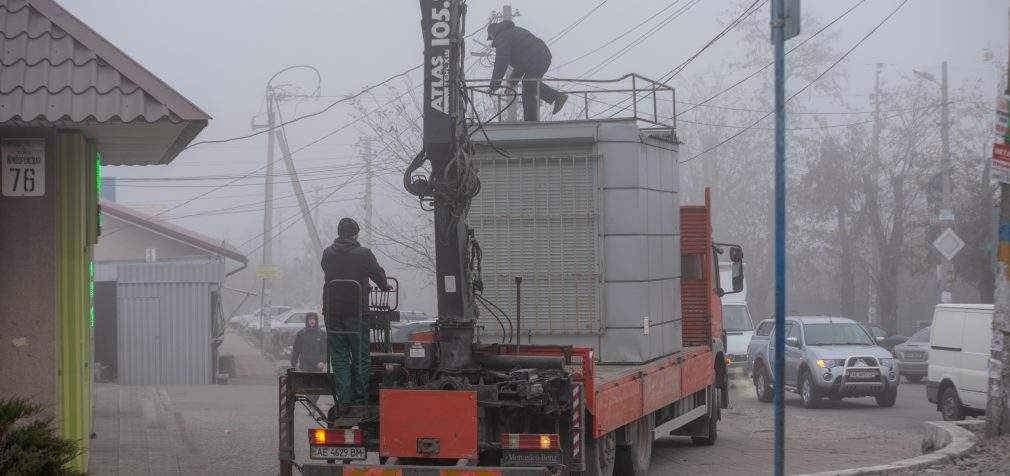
(630,96)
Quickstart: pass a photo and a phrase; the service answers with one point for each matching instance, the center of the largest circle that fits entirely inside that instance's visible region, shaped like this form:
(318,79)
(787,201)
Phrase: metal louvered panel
(537,217)
(695,307)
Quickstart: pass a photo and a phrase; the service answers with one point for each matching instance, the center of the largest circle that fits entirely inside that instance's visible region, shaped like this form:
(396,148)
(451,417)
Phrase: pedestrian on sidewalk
(308,353)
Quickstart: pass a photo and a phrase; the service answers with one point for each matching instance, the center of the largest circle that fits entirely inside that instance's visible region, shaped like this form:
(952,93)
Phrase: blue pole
(778,39)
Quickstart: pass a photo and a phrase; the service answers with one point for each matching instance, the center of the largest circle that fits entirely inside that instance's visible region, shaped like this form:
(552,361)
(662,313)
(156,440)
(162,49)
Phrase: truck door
(794,354)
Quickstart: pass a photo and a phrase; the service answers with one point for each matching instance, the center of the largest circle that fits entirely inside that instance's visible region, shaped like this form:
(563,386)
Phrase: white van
(736,320)
(958,372)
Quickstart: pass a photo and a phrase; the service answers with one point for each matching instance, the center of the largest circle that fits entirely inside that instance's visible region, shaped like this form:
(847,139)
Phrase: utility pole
(316,200)
(873,317)
(785,24)
(268,221)
(369,176)
(997,415)
(947,268)
(296,184)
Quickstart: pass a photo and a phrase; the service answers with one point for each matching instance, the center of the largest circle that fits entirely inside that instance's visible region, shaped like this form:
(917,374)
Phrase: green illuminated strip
(98,186)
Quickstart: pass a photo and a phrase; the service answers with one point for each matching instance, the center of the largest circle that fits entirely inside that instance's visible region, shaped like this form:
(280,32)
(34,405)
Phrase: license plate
(914,355)
(337,452)
(530,458)
(862,374)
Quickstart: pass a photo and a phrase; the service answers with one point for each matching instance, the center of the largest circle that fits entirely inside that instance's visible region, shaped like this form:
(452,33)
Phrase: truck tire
(762,384)
(633,459)
(950,405)
(709,422)
(600,455)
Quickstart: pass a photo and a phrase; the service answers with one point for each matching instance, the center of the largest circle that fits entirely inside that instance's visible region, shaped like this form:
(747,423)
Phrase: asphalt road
(232,429)
(844,434)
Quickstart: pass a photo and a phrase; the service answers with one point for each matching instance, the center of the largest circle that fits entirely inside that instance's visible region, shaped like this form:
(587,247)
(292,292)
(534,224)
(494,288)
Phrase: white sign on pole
(948,244)
(946,215)
(24,167)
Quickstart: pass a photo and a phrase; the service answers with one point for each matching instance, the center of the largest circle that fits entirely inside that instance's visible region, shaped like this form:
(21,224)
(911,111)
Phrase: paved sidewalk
(138,431)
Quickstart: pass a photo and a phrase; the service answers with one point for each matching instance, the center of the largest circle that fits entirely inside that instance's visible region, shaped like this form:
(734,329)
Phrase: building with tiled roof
(70,101)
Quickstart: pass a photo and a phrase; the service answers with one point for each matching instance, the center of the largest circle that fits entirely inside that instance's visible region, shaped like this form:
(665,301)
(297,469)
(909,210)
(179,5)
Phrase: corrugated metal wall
(77,199)
(165,321)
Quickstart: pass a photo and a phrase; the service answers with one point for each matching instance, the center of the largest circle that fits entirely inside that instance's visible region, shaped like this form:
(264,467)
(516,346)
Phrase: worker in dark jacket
(347,329)
(529,57)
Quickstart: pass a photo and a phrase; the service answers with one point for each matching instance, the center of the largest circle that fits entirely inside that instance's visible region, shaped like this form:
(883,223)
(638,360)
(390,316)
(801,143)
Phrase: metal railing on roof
(630,96)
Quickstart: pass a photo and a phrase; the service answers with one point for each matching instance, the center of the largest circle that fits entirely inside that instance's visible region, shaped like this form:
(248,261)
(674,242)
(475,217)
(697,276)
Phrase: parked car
(958,370)
(830,357)
(253,323)
(913,355)
(885,339)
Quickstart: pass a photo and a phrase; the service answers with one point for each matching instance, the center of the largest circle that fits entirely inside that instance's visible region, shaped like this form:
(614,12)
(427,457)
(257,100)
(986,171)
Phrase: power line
(759,70)
(622,35)
(804,88)
(637,41)
(746,13)
(571,27)
(306,116)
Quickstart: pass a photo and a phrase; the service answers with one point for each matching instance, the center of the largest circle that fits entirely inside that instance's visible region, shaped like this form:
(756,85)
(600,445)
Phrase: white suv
(958,372)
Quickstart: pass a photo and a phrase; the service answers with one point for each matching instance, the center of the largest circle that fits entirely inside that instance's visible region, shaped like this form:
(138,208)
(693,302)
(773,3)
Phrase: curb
(943,441)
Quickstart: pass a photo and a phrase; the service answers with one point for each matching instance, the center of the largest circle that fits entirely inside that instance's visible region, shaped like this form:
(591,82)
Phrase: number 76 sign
(23,167)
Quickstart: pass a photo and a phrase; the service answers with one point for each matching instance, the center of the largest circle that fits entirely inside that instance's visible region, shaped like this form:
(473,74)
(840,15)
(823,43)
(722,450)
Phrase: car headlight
(887,362)
(830,363)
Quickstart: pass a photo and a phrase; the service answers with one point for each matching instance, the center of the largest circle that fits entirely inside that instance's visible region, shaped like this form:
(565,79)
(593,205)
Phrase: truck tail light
(334,436)
(530,441)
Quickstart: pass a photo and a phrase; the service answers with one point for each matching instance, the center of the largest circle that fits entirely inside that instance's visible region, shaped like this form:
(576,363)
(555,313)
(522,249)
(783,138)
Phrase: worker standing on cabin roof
(349,340)
(529,57)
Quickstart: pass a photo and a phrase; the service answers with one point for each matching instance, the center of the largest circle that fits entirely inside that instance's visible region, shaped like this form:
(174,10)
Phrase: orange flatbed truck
(615,413)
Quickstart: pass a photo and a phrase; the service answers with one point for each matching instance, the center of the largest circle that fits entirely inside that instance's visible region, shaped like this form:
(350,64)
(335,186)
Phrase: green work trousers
(350,360)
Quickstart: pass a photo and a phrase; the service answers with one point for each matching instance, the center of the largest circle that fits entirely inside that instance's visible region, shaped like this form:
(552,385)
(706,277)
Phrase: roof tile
(46,74)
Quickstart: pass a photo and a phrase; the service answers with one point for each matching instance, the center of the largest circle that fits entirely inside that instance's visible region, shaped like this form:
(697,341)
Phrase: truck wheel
(762,385)
(950,404)
(709,422)
(808,391)
(887,398)
(600,455)
(634,458)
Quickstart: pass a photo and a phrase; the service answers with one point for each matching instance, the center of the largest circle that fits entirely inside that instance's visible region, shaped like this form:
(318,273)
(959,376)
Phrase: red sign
(1001,162)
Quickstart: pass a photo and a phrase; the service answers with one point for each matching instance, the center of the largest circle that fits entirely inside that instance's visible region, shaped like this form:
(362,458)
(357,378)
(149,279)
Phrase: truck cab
(736,319)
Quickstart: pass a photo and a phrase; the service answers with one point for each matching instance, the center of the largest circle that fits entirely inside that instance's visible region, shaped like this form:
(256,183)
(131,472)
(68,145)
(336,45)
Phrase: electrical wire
(743,15)
(804,88)
(618,37)
(306,116)
(641,39)
(759,70)
(566,30)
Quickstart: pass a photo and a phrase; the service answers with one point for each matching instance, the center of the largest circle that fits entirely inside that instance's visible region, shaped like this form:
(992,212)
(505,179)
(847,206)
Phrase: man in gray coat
(530,59)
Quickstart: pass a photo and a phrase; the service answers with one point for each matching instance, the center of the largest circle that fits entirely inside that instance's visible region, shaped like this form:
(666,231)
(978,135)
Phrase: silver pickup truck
(830,357)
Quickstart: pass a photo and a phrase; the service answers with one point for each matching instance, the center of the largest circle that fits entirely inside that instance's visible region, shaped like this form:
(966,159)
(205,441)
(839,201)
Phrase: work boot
(560,102)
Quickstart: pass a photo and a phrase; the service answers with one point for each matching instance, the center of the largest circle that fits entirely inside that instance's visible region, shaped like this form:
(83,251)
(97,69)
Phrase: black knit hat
(347,228)
(494,28)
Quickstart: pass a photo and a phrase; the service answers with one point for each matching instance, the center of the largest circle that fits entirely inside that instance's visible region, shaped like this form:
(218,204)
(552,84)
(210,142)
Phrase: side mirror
(793,341)
(736,257)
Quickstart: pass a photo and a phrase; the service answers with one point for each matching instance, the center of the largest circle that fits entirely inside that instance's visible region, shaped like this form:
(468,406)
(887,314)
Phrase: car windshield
(922,335)
(836,333)
(736,318)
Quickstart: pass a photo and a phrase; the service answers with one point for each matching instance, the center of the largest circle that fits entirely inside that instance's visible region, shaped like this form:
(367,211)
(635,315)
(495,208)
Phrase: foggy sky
(220,54)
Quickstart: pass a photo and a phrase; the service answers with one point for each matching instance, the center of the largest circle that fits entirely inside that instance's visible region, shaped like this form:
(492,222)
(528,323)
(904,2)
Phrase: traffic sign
(946,215)
(948,244)
(268,271)
(1001,162)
